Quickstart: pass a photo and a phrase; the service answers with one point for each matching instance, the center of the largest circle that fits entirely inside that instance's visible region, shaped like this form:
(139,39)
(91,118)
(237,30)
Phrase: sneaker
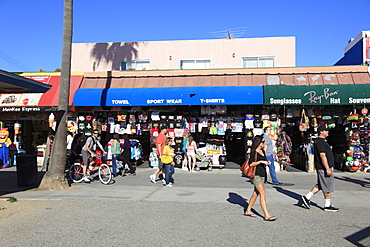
(132,174)
(164,181)
(91,168)
(331,209)
(152,179)
(169,185)
(185,169)
(86,179)
(306,202)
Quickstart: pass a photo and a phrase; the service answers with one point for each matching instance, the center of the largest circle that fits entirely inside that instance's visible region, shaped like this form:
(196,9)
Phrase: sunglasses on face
(262,141)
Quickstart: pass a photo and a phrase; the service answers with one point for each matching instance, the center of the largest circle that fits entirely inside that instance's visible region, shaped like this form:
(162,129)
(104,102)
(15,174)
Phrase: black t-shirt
(260,168)
(322,146)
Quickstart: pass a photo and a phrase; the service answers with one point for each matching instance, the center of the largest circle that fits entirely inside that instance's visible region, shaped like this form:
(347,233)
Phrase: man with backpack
(88,151)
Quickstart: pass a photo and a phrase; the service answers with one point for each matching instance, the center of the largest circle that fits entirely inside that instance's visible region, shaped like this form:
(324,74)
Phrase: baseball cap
(163,128)
(322,128)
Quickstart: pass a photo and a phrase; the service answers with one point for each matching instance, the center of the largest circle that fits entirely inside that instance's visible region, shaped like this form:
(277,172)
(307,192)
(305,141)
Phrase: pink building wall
(166,55)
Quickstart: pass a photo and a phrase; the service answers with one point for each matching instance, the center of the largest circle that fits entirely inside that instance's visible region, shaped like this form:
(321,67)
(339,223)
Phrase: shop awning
(244,95)
(11,83)
(47,99)
(317,95)
(51,97)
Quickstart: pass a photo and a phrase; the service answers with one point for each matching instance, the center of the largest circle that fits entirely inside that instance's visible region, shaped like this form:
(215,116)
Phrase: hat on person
(322,128)
(163,128)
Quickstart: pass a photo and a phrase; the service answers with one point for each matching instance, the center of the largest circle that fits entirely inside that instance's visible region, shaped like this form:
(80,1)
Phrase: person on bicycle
(88,151)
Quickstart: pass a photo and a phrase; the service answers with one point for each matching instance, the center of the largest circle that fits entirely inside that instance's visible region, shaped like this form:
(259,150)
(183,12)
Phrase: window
(135,65)
(258,62)
(195,64)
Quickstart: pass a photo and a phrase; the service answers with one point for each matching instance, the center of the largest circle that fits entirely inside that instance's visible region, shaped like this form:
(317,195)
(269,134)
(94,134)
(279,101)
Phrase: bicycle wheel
(105,174)
(75,173)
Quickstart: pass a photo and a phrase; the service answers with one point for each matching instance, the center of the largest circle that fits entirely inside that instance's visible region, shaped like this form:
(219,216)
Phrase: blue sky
(31,31)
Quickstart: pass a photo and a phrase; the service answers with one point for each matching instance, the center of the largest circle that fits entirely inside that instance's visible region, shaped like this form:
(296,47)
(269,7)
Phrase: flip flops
(250,215)
(271,218)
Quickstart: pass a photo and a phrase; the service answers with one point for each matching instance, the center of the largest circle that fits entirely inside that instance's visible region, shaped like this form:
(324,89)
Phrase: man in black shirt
(324,163)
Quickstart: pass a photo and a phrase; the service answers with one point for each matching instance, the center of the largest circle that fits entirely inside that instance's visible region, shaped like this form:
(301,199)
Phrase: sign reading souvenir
(317,95)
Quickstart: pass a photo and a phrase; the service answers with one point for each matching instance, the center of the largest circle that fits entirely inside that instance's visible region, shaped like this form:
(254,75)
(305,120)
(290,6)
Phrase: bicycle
(105,175)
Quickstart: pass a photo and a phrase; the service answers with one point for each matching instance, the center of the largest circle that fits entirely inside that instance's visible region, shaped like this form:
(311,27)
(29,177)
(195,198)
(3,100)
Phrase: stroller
(203,160)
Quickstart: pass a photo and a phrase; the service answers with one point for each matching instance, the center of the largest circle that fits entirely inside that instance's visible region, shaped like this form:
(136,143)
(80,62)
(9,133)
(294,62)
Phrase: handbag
(247,170)
(304,123)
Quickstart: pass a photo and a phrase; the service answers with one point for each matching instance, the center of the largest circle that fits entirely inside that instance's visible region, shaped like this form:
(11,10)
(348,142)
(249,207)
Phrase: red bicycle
(105,175)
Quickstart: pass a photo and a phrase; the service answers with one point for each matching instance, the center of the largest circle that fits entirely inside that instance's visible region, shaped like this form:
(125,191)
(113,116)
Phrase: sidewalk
(203,186)
(202,209)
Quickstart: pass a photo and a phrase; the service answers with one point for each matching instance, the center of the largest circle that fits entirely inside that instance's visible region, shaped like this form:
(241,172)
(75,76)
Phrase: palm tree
(54,178)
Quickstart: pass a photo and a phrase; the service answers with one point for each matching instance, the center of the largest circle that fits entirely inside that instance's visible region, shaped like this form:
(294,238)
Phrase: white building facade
(185,54)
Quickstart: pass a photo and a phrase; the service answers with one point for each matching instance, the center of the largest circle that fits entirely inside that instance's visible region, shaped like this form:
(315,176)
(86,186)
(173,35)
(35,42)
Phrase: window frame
(135,61)
(258,59)
(208,66)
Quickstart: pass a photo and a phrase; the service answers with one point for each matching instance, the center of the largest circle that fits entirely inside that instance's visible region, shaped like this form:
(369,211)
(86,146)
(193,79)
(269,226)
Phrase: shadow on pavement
(355,181)
(9,182)
(360,238)
(295,196)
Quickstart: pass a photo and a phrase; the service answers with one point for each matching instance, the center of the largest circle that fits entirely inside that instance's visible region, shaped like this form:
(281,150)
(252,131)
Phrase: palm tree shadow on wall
(114,53)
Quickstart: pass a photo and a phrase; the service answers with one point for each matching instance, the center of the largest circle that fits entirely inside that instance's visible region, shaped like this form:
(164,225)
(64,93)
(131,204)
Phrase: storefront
(343,108)
(140,112)
(244,100)
(26,115)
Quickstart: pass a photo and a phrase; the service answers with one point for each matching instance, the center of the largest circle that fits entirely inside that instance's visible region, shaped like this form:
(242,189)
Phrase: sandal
(271,218)
(250,215)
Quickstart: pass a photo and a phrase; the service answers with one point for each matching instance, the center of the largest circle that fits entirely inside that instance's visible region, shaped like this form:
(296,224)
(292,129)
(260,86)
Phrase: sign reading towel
(317,95)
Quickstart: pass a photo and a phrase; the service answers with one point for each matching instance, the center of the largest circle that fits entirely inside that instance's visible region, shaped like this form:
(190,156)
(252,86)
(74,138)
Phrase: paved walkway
(202,209)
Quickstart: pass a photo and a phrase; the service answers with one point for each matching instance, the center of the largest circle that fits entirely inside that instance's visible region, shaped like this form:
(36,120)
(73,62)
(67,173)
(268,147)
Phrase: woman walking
(116,151)
(258,159)
(191,147)
(126,155)
(185,161)
(167,160)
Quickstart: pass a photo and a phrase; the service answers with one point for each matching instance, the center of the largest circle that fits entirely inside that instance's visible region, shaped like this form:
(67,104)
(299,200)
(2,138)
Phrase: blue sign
(243,95)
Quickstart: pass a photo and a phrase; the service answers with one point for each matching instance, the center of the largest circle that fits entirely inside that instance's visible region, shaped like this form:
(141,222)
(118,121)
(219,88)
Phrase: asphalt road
(202,209)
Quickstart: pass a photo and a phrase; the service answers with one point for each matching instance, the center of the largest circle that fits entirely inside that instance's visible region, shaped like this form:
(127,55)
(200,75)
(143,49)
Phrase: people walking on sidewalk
(185,160)
(270,156)
(258,159)
(116,151)
(324,163)
(167,160)
(191,147)
(160,142)
(126,156)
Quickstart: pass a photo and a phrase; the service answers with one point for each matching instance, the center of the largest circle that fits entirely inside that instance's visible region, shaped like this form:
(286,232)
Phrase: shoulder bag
(246,169)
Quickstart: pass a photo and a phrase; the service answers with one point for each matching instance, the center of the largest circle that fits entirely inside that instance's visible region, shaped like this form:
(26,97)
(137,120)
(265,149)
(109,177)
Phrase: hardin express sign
(317,95)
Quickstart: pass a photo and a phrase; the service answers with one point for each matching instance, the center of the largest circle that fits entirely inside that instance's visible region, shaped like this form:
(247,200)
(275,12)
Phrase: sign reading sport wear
(317,95)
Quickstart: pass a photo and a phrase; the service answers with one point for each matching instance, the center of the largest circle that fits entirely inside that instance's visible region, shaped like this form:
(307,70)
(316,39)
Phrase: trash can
(26,170)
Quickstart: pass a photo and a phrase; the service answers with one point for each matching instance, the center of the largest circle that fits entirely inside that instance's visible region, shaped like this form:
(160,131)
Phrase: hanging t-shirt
(221,127)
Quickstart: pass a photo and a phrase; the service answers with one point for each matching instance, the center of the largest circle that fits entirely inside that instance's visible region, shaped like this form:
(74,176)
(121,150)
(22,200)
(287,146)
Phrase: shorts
(258,180)
(185,153)
(160,164)
(85,157)
(324,182)
(192,154)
